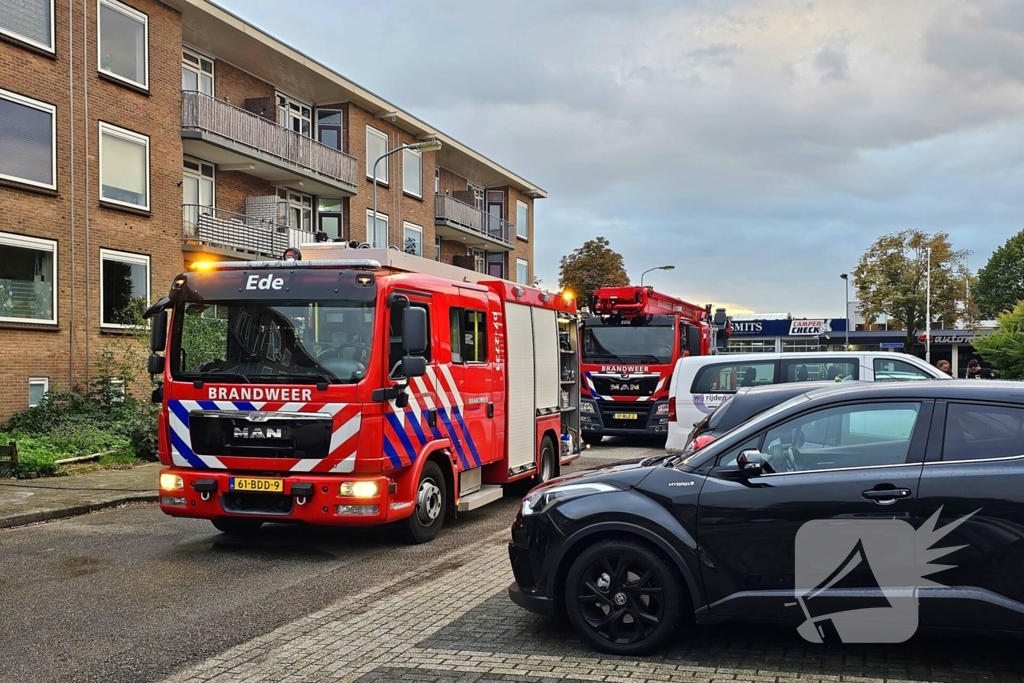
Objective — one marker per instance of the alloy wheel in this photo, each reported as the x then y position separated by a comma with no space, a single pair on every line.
620,599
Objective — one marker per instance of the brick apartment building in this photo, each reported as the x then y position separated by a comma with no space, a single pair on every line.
138,136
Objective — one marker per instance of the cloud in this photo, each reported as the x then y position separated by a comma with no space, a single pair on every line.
759,145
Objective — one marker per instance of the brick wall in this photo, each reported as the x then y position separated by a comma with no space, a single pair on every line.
236,86
233,187
391,200
65,353
524,248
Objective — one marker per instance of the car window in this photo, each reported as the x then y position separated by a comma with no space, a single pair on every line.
715,418
728,459
976,432
799,370
888,370
726,378
858,435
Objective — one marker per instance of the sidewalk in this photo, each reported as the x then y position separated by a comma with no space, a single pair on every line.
23,501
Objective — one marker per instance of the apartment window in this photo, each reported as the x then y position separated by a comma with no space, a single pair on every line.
479,259
413,239
522,220
437,180
124,43
28,276
30,21
295,115
437,248
196,72
198,185
412,172
28,140
124,288
376,147
295,209
124,167
328,127
37,388
377,231
478,195
329,213
522,271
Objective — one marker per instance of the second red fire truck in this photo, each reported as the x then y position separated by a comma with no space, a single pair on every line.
631,342
357,387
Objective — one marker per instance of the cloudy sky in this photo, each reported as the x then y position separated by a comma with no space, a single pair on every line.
758,145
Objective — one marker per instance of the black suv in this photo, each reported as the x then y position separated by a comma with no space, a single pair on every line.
633,550
743,405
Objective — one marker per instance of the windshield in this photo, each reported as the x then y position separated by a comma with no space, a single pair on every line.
297,342
627,343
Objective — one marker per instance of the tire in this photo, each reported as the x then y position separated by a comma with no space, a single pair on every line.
548,469
237,526
428,515
631,581
592,439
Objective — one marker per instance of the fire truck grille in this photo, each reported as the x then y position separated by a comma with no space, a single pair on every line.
264,503
233,433
609,411
641,386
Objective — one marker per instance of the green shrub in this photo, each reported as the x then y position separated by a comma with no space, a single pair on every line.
141,431
56,408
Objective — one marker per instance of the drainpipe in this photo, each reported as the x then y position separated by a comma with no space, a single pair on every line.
71,127
85,113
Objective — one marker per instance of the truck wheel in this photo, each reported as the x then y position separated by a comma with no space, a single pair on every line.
431,505
237,526
548,462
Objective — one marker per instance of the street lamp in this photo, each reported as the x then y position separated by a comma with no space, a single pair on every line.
431,145
655,268
928,313
846,279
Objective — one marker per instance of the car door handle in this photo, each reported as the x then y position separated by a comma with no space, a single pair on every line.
886,496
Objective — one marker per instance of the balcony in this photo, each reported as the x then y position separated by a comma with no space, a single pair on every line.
458,220
236,139
212,230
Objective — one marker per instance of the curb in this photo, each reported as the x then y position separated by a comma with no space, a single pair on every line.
24,518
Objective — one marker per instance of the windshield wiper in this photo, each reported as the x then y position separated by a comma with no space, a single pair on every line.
220,376
311,378
648,358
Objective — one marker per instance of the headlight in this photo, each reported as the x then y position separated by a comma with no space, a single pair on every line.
662,409
539,501
587,407
359,489
171,482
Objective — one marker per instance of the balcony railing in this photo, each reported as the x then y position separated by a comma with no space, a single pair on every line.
453,212
201,112
213,227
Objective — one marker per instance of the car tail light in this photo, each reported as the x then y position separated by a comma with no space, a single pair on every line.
702,441
671,408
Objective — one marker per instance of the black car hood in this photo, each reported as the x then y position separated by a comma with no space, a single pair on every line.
625,474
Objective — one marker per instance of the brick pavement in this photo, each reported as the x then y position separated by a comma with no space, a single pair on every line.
451,621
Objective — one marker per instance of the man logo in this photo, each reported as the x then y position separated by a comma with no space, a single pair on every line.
625,387
858,580
258,433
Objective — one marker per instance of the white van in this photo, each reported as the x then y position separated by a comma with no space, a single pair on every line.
700,383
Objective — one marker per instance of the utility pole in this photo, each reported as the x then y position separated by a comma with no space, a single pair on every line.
928,312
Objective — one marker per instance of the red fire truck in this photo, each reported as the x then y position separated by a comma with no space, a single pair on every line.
357,387
631,342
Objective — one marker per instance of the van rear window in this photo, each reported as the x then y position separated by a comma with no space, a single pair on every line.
726,378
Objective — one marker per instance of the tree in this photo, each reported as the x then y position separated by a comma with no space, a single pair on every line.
891,279
1001,281
1004,348
590,267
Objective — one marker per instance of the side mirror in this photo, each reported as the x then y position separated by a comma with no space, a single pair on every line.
751,463
414,331
414,366
158,333
693,340
155,365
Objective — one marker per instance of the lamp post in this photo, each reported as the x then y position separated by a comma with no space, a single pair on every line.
651,269
431,145
928,312
846,279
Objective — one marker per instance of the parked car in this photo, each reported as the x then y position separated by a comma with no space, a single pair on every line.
743,405
700,383
632,551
